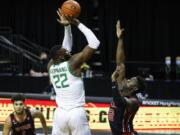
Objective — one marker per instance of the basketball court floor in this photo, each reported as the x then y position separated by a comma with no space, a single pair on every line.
101,132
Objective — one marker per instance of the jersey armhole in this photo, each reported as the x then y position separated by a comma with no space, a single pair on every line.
49,70
71,70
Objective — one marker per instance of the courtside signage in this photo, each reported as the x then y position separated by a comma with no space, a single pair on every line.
148,117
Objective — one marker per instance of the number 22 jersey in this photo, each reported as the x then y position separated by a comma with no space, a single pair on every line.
68,87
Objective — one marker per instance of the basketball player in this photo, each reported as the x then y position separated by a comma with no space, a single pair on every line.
21,121
65,75
125,103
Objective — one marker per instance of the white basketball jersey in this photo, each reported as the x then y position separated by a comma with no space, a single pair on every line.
68,87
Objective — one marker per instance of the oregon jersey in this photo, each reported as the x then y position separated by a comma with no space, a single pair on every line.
68,87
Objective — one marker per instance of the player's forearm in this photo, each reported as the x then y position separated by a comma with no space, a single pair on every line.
6,130
67,41
117,98
120,55
93,42
7,127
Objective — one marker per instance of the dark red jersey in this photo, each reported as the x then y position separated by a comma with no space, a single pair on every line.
23,128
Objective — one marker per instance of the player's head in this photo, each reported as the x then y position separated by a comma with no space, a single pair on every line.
43,56
18,103
59,54
136,84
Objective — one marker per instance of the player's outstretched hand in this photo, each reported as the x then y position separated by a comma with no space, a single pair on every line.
119,30
73,20
62,19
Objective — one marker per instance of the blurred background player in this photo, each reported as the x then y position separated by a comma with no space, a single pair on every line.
21,121
65,75
125,103
40,69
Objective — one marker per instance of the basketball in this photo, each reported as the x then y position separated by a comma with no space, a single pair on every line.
71,8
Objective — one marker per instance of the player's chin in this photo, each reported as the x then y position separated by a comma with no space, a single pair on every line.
19,112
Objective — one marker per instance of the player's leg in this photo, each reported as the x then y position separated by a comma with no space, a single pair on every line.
115,117
78,122
114,123
125,121
131,109
60,122
134,111
130,123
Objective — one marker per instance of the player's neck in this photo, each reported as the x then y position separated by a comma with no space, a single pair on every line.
20,117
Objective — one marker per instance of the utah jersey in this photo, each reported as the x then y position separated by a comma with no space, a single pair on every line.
23,128
68,87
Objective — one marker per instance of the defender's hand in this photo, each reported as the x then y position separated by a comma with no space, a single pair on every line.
119,30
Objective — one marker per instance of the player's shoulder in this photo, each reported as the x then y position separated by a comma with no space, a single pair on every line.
8,120
121,82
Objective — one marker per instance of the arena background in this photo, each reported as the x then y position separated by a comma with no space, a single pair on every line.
28,27
151,27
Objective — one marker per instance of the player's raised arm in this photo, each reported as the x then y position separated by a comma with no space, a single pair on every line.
88,51
120,55
67,40
119,73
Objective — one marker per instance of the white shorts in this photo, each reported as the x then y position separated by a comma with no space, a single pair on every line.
70,122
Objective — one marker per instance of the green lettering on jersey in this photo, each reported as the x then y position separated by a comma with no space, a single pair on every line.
58,70
61,80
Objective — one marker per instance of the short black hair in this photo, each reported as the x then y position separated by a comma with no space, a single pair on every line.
54,51
59,54
17,97
141,83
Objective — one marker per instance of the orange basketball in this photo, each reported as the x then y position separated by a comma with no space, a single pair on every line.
71,8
